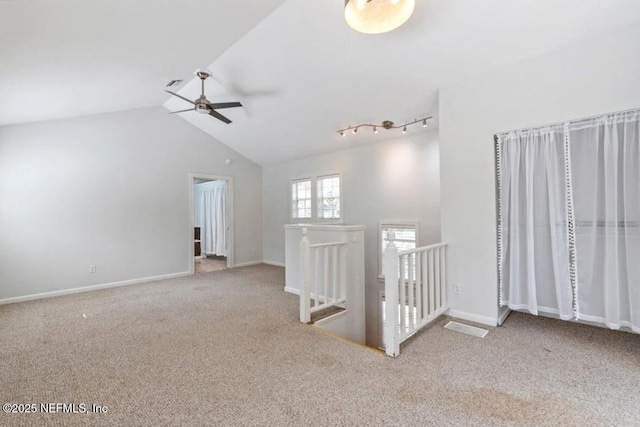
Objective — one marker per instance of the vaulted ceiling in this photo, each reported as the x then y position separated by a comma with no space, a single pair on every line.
300,71
304,73
65,58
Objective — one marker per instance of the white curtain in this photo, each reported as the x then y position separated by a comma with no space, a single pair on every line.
213,211
534,266
569,219
605,166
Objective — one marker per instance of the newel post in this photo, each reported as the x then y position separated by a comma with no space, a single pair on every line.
391,281
305,305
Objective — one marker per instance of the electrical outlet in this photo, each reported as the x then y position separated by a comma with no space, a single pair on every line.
456,288
92,268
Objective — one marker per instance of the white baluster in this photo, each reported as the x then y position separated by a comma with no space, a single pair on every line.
335,273
316,278
425,284
305,303
432,284
443,276
419,287
391,333
412,319
403,294
326,275
436,279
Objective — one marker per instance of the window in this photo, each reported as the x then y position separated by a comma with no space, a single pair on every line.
301,199
316,198
406,238
329,197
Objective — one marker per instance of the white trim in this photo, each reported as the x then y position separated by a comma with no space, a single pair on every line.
291,183
191,182
292,290
314,198
330,318
276,263
340,183
92,288
503,316
483,320
327,227
247,264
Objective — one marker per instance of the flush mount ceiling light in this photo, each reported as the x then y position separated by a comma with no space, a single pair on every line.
387,124
377,16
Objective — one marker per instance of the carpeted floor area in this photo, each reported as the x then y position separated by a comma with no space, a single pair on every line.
210,264
226,348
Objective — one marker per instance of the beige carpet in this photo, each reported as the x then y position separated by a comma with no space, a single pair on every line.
210,264
225,348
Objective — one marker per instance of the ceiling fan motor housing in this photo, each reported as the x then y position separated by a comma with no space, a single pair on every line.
202,108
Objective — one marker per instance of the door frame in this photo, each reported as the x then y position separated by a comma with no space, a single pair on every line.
192,216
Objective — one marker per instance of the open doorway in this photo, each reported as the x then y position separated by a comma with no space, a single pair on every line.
211,231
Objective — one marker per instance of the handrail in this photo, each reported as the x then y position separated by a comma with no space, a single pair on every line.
415,290
328,262
322,245
422,248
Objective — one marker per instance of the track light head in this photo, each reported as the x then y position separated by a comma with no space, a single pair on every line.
404,129
375,129
342,133
424,123
355,129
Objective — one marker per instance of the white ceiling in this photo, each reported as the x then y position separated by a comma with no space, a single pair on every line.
64,58
302,73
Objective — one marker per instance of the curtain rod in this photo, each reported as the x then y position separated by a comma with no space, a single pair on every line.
569,121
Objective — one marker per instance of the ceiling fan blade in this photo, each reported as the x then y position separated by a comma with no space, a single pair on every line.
181,97
219,116
182,111
220,105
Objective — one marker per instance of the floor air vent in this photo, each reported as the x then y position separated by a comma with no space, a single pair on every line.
466,329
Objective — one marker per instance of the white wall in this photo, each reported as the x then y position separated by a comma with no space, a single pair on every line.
597,76
110,190
397,179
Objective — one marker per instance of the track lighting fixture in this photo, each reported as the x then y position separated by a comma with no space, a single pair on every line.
387,124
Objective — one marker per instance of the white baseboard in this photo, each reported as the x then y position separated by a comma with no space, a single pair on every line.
276,263
247,264
503,316
483,320
292,290
92,288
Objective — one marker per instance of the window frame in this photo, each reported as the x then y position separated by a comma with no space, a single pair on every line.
318,197
292,182
315,219
388,224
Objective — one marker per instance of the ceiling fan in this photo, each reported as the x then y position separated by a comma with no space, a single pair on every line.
202,104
